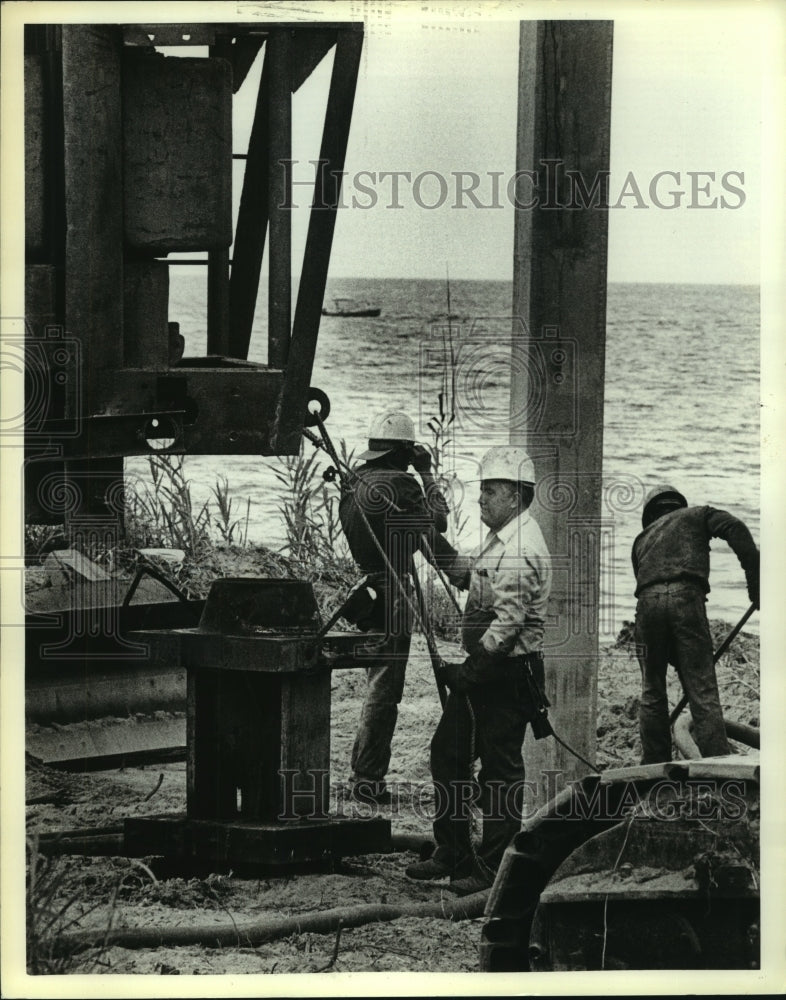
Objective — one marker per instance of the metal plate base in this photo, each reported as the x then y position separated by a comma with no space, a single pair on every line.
193,845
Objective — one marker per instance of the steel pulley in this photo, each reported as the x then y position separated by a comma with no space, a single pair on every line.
313,416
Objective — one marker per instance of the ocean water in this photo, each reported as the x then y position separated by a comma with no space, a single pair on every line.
681,402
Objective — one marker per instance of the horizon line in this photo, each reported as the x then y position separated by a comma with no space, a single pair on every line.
357,277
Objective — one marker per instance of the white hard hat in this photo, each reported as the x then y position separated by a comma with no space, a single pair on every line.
388,431
507,462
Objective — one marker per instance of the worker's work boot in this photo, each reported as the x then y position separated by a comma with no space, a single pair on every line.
428,870
470,884
369,792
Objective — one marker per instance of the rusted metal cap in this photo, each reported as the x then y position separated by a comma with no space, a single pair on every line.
259,605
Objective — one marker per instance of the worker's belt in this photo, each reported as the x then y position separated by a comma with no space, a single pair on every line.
531,663
668,586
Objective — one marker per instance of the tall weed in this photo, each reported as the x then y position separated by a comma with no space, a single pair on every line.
52,909
315,545
164,515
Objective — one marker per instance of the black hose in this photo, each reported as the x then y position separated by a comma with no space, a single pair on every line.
259,932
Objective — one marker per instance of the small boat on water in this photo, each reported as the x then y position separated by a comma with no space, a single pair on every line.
349,307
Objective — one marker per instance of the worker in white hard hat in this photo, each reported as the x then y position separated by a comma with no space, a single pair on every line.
498,689
390,502
671,562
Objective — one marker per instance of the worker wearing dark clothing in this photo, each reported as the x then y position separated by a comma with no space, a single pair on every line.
387,500
378,484
671,563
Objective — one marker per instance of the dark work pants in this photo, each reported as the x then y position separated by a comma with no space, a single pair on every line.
500,711
671,627
385,678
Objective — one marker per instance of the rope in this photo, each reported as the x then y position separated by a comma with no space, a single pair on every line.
576,754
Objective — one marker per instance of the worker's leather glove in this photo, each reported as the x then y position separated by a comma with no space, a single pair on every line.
421,459
483,667
450,674
753,590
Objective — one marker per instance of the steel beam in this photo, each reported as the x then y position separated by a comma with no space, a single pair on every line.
218,259
319,241
251,229
279,202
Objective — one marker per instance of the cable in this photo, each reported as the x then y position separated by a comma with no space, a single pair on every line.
576,754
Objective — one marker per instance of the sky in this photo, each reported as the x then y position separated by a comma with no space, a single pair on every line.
437,94
441,95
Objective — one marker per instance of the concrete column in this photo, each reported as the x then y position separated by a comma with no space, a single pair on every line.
557,385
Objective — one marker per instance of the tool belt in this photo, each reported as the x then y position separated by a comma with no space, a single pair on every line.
528,671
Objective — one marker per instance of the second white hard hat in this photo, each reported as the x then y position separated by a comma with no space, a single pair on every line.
508,462
388,431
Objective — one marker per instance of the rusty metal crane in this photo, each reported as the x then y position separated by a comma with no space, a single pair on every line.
128,156
129,166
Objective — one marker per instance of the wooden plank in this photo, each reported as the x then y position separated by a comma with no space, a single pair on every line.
92,127
559,332
234,739
305,744
212,774
78,562
264,845
279,201
98,749
327,192
44,167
